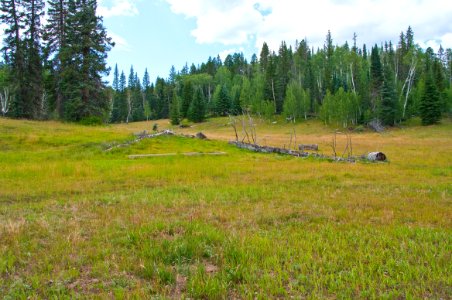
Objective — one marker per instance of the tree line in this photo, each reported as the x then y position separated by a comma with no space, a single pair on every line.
342,85
54,70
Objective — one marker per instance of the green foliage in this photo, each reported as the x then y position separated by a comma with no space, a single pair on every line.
91,121
340,109
297,102
187,97
222,100
85,64
197,110
430,107
268,110
389,104
175,115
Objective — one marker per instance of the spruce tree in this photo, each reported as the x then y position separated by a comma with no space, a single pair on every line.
197,110
137,109
123,105
282,75
430,107
187,96
175,110
115,111
33,76
83,59
54,37
222,101
376,75
388,112
13,17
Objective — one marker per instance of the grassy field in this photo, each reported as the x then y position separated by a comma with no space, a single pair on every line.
79,222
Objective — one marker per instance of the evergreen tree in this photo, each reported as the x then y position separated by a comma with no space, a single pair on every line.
175,110
329,63
389,98
197,110
376,72
146,80
430,106
187,96
115,85
54,38
265,53
147,95
222,100
115,111
430,103
161,99
236,105
137,109
13,18
83,58
34,74
282,75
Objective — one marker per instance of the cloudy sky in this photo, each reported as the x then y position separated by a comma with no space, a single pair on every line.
160,33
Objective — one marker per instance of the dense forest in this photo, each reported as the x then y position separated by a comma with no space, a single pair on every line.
55,72
343,85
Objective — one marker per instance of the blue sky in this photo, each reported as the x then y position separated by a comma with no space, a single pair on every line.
157,34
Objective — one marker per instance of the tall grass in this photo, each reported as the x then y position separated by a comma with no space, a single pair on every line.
77,221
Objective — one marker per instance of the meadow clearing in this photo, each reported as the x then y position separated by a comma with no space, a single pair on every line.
77,221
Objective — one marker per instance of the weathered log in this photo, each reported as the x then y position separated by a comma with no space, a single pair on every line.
135,156
376,156
312,147
267,149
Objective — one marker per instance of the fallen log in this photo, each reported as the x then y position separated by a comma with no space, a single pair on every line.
140,136
135,156
267,149
376,156
311,147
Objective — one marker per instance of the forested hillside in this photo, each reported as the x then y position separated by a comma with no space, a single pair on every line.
344,85
55,72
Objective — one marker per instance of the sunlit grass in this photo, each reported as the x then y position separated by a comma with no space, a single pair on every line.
77,221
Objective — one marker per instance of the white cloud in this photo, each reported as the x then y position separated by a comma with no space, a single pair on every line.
225,53
234,22
120,43
115,8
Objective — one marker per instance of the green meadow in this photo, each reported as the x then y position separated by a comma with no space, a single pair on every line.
77,221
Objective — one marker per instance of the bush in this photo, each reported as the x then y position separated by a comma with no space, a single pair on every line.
92,121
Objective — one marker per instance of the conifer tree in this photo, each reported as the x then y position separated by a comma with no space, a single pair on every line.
175,110
197,110
388,112
430,103
187,96
222,100
13,18
376,75
54,37
123,105
430,107
83,59
137,104
116,106
33,76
